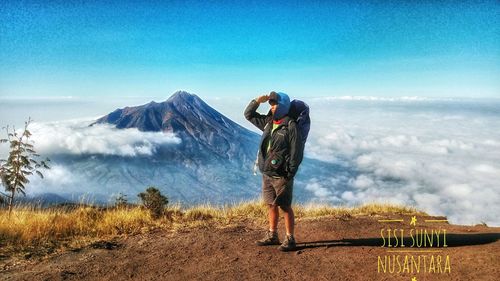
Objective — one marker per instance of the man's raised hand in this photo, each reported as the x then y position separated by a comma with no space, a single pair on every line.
262,99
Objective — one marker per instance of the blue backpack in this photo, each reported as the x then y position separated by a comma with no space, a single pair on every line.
299,111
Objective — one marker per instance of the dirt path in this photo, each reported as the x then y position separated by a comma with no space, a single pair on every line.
329,249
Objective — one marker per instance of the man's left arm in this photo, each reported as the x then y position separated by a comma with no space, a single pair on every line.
296,150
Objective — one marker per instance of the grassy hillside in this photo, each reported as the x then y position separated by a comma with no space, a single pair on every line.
40,231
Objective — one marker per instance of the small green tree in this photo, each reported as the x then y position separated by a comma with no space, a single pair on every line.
21,164
154,201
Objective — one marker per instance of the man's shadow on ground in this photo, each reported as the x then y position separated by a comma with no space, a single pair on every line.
452,240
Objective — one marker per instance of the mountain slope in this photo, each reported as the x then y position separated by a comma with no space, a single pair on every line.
212,163
203,130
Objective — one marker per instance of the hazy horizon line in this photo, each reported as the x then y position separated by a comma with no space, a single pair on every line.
330,97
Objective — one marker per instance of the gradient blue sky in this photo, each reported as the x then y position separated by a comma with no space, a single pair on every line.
231,48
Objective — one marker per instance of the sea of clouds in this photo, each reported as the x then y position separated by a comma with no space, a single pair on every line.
440,155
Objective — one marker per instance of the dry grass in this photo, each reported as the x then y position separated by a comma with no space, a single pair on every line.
29,227
313,211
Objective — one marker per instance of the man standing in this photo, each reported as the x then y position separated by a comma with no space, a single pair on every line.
279,156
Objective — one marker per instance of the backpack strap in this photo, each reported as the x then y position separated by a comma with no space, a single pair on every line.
292,121
289,123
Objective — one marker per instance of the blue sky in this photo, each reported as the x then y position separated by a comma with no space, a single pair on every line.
231,48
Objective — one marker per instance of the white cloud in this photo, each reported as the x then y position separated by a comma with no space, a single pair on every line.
440,156
318,190
76,137
362,182
384,99
56,178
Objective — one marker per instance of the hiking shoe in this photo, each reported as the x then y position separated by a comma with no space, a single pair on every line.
271,238
288,244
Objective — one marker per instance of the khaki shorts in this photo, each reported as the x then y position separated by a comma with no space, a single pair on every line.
277,191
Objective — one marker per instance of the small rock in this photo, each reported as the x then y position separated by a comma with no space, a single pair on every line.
66,273
298,252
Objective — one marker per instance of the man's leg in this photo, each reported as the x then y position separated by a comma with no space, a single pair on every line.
273,217
286,206
269,195
289,220
289,242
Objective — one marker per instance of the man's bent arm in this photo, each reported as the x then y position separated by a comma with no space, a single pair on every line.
254,117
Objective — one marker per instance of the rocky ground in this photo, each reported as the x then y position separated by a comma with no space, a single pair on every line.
329,248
